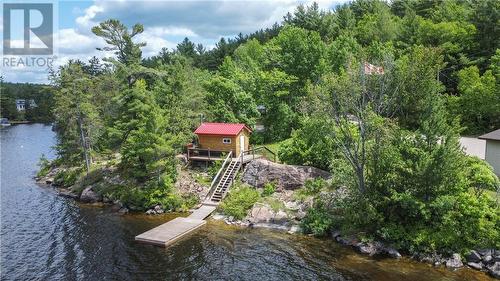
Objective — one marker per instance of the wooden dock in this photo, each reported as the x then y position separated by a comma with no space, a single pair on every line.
173,230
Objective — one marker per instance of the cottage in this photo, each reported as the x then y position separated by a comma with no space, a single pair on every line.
215,139
492,153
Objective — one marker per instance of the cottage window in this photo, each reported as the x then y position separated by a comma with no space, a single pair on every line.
226,140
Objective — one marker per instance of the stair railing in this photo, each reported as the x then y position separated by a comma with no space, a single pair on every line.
215,180
231,180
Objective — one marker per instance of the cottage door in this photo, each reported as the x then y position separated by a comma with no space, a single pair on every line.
242,143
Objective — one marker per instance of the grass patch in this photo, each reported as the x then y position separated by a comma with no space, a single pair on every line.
274,203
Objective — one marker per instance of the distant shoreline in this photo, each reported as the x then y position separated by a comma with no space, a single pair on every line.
20,122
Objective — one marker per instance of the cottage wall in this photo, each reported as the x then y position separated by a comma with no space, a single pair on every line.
215,142
493,155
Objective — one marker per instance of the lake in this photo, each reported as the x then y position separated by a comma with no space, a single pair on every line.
48,237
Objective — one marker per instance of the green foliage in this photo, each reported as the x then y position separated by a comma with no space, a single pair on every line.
298,52
120,38
274,203
214,167
417,70
228,102
151,195
95,176
318,220
203,180
147,150
67,177
269,189
239,201
479,101
44,166
341,51
480,176
314,186
77,120
309,145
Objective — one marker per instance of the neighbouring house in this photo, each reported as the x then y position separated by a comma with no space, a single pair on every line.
217,139
21,104
492,153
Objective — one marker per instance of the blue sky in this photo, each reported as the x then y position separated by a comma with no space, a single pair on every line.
166,24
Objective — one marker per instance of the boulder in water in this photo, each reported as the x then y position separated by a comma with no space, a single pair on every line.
475,265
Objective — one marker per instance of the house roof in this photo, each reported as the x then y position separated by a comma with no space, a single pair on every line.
221,129
495,135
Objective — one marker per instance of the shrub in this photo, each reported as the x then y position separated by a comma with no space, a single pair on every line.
133,197
92,177
239,202
44,165
309,145
68,177
480,175
269,189
314,186
317,220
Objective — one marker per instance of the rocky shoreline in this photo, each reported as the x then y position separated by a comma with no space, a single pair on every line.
286,218
485,260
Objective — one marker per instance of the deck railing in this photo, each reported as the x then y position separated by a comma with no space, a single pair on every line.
261,151
208,153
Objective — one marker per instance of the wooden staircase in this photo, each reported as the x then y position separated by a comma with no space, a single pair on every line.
223,180
226,181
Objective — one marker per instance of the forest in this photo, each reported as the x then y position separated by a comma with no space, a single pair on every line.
40,94
389,136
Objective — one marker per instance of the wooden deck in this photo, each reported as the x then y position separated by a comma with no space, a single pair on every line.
173,230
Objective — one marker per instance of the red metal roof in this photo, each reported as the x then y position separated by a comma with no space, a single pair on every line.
221,129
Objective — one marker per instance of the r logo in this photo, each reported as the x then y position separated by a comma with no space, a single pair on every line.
28,29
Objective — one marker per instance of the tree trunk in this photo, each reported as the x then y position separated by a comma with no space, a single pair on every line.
83,141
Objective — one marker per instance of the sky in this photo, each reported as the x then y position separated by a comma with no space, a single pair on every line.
166,23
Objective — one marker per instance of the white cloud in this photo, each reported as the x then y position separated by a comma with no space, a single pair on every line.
154,41
71,41
208,19
86,20
166,23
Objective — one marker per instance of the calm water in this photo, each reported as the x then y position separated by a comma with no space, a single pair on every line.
47,237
